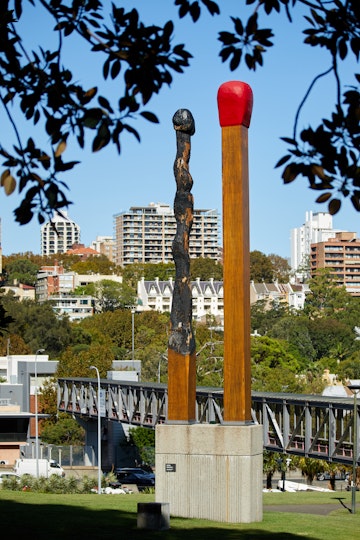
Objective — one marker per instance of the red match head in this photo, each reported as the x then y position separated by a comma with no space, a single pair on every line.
235,100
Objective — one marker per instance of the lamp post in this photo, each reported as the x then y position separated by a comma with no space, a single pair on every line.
39,351
355,388
133,334
99,428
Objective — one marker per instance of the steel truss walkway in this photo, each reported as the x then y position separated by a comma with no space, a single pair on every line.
305,425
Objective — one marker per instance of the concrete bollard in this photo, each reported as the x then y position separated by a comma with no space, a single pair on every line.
154,516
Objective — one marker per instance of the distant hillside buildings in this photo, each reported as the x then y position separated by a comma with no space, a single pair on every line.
105,245
317,245
341,255
318,227
144,234
208,296
59,234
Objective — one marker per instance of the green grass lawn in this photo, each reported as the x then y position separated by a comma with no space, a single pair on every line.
55,517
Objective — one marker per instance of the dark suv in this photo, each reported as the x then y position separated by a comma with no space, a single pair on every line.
134,475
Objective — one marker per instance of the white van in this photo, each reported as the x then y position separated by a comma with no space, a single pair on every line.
46,468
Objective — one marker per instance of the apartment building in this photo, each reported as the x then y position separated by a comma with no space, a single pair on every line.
104,245
53,280
59,234
144,234
318,227
341,255
75,308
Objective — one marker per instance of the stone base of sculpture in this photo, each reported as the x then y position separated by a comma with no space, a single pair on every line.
210,471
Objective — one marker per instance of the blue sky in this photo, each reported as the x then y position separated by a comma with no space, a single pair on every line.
105,183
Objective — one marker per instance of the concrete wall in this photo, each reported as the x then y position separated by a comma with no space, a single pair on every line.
210,471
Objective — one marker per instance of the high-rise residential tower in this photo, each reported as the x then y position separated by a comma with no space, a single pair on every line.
341,256
145,234
59,234
318,227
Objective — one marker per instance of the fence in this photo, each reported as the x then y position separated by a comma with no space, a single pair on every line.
68,456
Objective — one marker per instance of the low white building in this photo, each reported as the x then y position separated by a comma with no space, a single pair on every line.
20,291
293,294
207,297
74,307
17,399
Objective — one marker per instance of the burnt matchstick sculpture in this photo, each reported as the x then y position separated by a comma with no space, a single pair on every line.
181,343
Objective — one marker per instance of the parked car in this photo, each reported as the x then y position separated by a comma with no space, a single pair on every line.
339,475
8,476
134,475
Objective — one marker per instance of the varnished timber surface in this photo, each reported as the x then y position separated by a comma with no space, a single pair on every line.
237,366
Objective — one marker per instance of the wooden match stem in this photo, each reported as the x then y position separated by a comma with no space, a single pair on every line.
237,359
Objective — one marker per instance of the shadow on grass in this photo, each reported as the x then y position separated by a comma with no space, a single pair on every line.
55,522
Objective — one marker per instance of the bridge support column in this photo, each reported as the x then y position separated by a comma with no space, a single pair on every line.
209,471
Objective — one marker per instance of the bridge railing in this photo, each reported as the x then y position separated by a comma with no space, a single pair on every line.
306,425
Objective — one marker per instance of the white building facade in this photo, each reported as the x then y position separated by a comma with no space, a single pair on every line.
318,227
59,234
144,234
207,297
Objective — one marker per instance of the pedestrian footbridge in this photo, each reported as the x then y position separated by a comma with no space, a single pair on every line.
305,425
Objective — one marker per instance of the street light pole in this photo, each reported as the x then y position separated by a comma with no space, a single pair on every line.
133,334
99,428
39,351
355,388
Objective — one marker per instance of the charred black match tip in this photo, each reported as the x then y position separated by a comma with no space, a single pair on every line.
184,121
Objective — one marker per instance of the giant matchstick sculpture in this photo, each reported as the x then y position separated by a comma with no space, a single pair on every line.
181,344
235,102
213,471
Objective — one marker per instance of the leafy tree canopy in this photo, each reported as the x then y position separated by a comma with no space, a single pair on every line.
325,296
132,273
261,268
112,295
326,334
144,439
22,271
265,314
95,265
78,365
281,267
65,431
205,269
350,368
13,344
38,326
37,84
294,330
61,259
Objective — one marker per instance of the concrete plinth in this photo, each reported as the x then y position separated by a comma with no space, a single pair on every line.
153,516
210,471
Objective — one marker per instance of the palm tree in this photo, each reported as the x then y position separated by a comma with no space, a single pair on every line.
310,467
